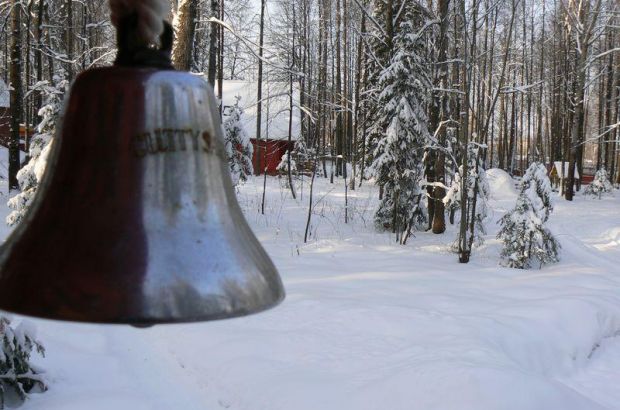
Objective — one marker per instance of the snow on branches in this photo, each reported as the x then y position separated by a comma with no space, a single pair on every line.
238,145
526,240
600,185
18,377
31,174
283,165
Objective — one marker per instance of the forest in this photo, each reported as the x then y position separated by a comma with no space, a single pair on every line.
507,82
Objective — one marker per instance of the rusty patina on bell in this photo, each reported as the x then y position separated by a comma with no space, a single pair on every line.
136,221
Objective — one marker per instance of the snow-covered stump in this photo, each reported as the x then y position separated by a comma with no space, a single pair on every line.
526,239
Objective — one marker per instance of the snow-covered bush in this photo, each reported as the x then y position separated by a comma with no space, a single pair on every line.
283,165
31,174
238,145
600,185
18,378
526,240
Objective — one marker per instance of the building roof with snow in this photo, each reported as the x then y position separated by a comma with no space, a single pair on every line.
5,95
275,112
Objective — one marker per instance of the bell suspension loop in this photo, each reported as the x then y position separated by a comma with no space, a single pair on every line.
144,37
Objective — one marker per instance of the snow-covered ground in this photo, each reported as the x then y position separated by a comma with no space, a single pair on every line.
371,325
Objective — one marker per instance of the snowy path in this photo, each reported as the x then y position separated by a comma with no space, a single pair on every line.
370,325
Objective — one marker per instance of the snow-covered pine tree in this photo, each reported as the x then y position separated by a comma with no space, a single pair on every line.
600,185
18,377
40,146
238,145
398,156
526,239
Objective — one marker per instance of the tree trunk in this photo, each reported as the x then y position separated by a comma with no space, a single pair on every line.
464,252
437,118
69,39
16,93
185,32
213,40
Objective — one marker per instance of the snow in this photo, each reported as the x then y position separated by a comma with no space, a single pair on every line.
502,185
372,325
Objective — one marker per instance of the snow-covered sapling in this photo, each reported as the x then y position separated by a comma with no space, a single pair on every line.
526,240
283,165
452,200
283,168
600,185
478,192
238,145
18,377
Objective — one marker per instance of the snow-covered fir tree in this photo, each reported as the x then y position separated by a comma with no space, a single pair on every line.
478,192
600,185
31,174
398,156
527,242
238,145
18,377
370,105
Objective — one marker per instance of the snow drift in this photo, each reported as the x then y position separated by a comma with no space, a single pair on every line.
502,185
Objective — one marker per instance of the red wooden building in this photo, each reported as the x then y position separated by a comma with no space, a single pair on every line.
268,154
275,117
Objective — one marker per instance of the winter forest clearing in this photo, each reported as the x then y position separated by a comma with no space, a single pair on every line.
370,324
375,204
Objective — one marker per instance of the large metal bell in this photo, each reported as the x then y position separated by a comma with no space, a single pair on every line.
136,221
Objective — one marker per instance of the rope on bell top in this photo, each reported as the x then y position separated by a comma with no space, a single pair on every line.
144,35
151,15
